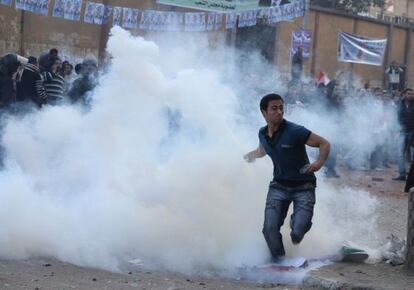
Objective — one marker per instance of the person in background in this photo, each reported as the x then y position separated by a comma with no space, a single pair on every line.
78,68
9,64
394,74
405,113
82,86
29,84
66,73
54,82
297,65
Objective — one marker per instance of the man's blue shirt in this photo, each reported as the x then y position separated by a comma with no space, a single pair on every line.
287,150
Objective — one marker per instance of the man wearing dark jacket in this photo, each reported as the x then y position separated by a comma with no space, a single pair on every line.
82,86
8,66
54,82
406,119
29,85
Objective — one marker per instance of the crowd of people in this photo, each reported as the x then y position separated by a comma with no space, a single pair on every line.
389,107
27,83
34,82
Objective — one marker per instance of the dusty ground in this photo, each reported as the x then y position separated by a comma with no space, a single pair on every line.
51,274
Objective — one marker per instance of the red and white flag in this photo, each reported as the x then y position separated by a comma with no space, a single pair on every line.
322,79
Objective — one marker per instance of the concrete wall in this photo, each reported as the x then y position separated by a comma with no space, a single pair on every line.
29,33
325,27
76,39
9,30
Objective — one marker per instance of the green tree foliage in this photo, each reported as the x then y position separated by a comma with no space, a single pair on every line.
351,6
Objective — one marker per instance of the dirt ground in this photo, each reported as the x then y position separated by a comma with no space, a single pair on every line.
40,273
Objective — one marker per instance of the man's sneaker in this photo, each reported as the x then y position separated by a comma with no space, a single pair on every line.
402,178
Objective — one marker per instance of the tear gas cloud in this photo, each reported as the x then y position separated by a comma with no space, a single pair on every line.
155,169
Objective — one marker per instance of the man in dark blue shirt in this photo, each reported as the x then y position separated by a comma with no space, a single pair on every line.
293,175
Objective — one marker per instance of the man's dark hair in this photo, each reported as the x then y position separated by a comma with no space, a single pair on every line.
78,68
406,90
264,102
53,51
32,60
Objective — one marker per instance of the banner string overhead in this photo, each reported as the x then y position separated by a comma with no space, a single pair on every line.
236,12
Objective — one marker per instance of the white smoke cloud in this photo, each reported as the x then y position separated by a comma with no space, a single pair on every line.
154,171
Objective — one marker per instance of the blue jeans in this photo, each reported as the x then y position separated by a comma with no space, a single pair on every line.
405,142
278,201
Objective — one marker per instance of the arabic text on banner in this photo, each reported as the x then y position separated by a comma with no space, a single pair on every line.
214,5
358,49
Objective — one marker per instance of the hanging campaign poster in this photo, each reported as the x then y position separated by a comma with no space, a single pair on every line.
19,4
89,12
218,21
6,2
242,19
130,18
42,7
301,38
252,18
59,8
299,7
231,19
99,13
211,18
72,9
77,6
214,5
126,17
145,19
288,12
358,49
107,14
117,15
275,14
175,21
30,5
195,21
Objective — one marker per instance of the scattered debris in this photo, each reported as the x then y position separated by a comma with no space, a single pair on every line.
380,179
393,252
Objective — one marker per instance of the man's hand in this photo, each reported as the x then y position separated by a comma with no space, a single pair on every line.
250,157
313,167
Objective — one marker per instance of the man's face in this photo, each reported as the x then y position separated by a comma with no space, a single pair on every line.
409,95
89,69
274,112
56,66
68,69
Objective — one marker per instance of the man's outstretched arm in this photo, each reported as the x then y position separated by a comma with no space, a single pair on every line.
324,147
257,153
